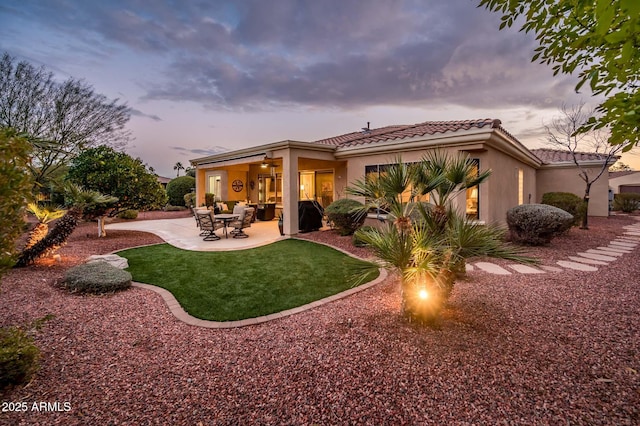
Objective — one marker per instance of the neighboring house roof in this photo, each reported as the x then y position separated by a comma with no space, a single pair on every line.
555,156
613,175
163,180
369,136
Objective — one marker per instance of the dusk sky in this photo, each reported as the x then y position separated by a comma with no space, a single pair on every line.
208,76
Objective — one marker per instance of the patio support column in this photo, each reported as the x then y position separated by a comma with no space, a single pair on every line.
290,191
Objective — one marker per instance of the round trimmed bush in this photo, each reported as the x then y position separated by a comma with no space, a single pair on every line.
97,278
568,202
19,357
177,188
345,216
537,224
128,214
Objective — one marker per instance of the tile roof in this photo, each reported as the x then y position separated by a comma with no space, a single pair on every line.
407,131
550,156
621,173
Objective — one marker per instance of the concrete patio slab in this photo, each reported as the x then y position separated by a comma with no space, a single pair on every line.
576,266
597,257
589,261
492,268
525,269
183,233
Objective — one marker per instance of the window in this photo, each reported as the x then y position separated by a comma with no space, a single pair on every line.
473,195
377,170
520,186
215,186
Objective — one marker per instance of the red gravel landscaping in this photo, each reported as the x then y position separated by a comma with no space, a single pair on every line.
555,348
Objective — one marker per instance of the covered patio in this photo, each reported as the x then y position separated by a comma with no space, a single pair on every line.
277,175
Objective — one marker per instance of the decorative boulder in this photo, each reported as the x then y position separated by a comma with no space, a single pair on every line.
537,224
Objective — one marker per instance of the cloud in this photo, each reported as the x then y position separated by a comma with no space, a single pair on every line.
198,151
247,55
138,113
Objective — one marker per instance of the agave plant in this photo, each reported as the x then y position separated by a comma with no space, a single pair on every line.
428,243
44,214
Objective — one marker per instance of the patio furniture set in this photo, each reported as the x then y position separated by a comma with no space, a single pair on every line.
209,222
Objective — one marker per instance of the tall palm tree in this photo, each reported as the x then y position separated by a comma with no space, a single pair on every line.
427,243
178,166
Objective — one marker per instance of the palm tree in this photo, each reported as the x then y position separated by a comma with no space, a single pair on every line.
427,243
79,199
44,215
178,166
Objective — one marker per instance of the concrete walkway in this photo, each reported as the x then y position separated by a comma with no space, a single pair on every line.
587,261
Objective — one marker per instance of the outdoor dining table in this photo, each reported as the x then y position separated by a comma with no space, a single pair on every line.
226,219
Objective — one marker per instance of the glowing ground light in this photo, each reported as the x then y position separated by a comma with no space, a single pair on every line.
423,294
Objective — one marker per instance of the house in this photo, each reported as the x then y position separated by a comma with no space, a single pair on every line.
286,172
164,181
625,181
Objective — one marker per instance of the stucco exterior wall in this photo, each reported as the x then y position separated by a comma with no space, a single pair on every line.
631,179
561,179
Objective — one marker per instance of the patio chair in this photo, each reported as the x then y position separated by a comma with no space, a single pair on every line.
243,222
195,214
208,226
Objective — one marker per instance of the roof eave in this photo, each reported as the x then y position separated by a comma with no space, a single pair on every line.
266,149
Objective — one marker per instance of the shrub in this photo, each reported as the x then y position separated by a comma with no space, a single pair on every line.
190,199
570,203
18,356
128,214
96,277
344,215
169,208
627,202
209,199
178,187
15,187
357,240
537,224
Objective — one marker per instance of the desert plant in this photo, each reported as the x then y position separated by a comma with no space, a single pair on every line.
178,187
568,202
78,199
346,215
426,245
96,277
128,214
537,224
44,214
19,356
626,202
356,240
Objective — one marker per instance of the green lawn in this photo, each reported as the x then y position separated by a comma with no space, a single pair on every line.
235,285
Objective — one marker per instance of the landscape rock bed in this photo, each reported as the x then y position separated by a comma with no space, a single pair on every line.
551,348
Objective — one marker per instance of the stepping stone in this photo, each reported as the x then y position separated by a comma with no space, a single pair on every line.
589,261
604,252
627,238
597,257
525,269
492,268
113,259
633,234
468,267
627,244
618,249
551,268
577,266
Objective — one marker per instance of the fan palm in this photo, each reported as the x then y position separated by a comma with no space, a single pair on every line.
430,250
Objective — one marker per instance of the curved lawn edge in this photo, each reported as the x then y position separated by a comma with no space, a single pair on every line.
182,315
176,309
